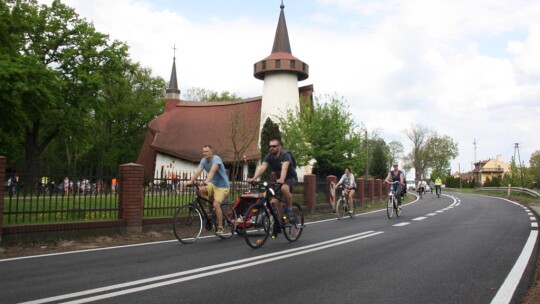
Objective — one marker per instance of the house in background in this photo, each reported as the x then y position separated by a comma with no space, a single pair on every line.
489,169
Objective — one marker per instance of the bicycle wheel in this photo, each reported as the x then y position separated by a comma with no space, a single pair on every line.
390,206
438,192
421,192
187,224
256,226
341,205
229,221
293,227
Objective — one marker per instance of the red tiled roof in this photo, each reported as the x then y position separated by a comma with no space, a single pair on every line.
182,131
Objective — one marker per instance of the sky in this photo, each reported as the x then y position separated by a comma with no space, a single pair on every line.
467,69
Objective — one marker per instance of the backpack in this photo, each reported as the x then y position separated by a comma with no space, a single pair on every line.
292,157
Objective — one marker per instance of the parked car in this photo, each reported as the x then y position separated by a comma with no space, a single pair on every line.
411,185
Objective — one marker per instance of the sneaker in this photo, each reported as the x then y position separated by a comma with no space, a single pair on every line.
219,231
351,211
289,213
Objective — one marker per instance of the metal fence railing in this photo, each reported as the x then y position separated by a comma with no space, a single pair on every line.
52,200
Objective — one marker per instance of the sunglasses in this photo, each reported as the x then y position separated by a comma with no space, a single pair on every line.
272,146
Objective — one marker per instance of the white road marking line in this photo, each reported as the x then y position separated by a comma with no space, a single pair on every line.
203,271
431,214
419,218
401,224
439,211
534,225
505,293
532,218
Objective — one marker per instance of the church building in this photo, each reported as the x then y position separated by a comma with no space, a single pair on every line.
175,138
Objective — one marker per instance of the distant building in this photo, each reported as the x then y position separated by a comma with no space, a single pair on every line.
489,169
175,138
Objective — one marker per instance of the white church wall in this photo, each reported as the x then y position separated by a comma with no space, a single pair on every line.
166,163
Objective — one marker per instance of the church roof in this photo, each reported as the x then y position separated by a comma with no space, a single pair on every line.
182,131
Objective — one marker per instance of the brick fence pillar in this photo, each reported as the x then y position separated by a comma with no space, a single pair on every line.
378,187
371,190
360,188
386,190
331,196
131,196
310,187
3,164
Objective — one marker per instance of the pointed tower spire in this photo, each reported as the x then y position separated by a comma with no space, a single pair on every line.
281,58
173,83
172,95
281,40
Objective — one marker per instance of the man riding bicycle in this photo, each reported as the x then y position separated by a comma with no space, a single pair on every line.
393,176
282,164
217,182
438,183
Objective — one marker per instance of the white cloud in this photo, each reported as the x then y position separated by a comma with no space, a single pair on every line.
417,61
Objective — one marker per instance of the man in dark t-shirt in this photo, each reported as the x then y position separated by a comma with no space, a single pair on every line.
282,164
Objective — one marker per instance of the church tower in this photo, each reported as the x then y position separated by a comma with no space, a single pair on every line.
172,95
280,72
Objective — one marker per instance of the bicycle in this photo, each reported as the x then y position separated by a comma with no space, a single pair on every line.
421,192
391,202
342,205
261,219
438,190
189,219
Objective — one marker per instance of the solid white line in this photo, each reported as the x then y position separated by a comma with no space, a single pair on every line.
504,295
207,268
419,218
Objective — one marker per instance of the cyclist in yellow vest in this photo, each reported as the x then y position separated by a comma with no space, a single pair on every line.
438,183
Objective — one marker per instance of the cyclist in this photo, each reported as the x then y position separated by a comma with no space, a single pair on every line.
421,185
282,164
216,184
438,183
393,176
349,184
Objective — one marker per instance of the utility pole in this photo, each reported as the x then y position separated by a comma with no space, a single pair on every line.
474,143
367,156
516,148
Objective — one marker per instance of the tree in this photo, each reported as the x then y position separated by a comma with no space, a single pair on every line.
441,149
418,157
202,94
57,71
270,130
534,163
241,134
430,151
325,131
379,163
395,152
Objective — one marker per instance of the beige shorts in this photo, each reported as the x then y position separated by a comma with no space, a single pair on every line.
219,194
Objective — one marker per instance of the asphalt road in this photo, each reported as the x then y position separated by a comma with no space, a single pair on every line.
455,249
